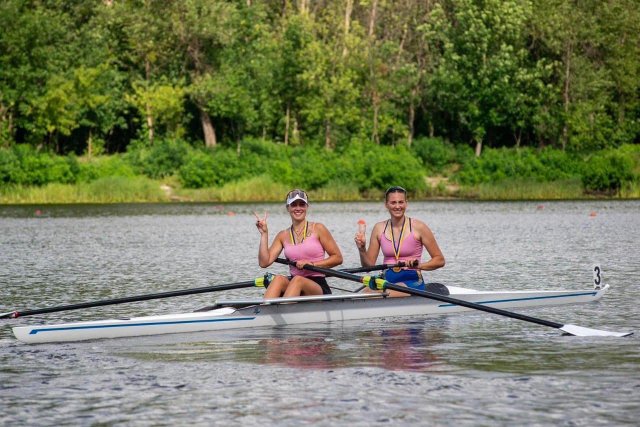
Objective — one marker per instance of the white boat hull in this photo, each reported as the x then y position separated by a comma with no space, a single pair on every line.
291,311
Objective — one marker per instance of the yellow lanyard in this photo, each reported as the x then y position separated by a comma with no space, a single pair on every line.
306,229
396,249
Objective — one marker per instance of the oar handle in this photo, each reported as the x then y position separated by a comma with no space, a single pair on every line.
348,270
326,271
373,267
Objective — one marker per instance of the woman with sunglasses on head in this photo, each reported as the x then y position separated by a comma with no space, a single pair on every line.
401,239
305,243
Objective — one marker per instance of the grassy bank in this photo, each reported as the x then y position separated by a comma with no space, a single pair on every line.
262,189
103,190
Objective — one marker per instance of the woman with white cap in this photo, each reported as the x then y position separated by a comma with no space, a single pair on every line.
305,243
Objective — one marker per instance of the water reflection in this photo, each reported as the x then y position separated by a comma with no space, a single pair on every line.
299,352
405,347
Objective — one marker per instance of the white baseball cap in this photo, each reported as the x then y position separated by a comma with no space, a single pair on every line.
296,195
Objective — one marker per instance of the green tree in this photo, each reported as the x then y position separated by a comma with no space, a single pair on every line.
330,101
202,29
483,62
35,49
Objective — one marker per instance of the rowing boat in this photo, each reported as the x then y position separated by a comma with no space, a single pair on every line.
252,313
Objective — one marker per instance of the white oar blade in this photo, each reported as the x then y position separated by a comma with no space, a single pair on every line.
581,331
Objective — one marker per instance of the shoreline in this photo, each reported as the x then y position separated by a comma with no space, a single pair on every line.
114,190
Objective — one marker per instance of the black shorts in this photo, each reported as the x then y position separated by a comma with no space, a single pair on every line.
322,281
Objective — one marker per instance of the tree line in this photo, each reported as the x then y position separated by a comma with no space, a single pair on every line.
96,76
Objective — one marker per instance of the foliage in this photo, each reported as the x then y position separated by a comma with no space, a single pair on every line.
211,167
85,77
162,159
23,165
365,94
608,172
502,163
435,153
376,167
102,167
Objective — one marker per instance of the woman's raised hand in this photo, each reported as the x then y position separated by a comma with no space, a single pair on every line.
361,240
261,223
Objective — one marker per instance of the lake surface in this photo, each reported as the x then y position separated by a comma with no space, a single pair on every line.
472,369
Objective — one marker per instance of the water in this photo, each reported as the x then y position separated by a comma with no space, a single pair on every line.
475,369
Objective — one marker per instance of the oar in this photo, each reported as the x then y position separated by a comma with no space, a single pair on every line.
365,269
259,282
382,284
371,268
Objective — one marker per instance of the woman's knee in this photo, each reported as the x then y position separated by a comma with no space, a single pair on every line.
277,287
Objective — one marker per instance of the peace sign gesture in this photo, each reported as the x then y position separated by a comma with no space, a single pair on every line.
261,223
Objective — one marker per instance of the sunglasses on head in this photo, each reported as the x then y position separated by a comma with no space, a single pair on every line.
294,193
395,189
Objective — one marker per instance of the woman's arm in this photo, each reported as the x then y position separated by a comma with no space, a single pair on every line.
267,255
431,245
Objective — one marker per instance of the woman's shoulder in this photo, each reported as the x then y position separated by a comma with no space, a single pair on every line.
317,227
419,225
382,223
282,234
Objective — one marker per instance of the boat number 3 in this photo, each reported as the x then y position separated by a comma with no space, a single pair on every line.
597,277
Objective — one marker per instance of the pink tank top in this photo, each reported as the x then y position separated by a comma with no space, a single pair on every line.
410,248
309,249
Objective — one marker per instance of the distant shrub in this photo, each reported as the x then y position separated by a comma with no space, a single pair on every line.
464,154
525,163
379,167
312,168
9,165
23,165
212,167
435,153
103,167
557,165
162,159
607,172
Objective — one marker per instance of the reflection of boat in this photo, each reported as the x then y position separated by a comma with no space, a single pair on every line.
289,311
395,346
300,352
403,348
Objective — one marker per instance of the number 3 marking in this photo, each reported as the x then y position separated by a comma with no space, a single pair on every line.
597,277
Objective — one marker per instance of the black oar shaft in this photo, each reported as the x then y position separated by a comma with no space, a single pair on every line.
146,297
136,298
371,268
437,297
472,305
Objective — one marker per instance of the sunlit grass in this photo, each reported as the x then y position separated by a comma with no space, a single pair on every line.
256,189
630,190
337,191
103,190
525,190
264,189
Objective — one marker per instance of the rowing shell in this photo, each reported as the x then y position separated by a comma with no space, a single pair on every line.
292,311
